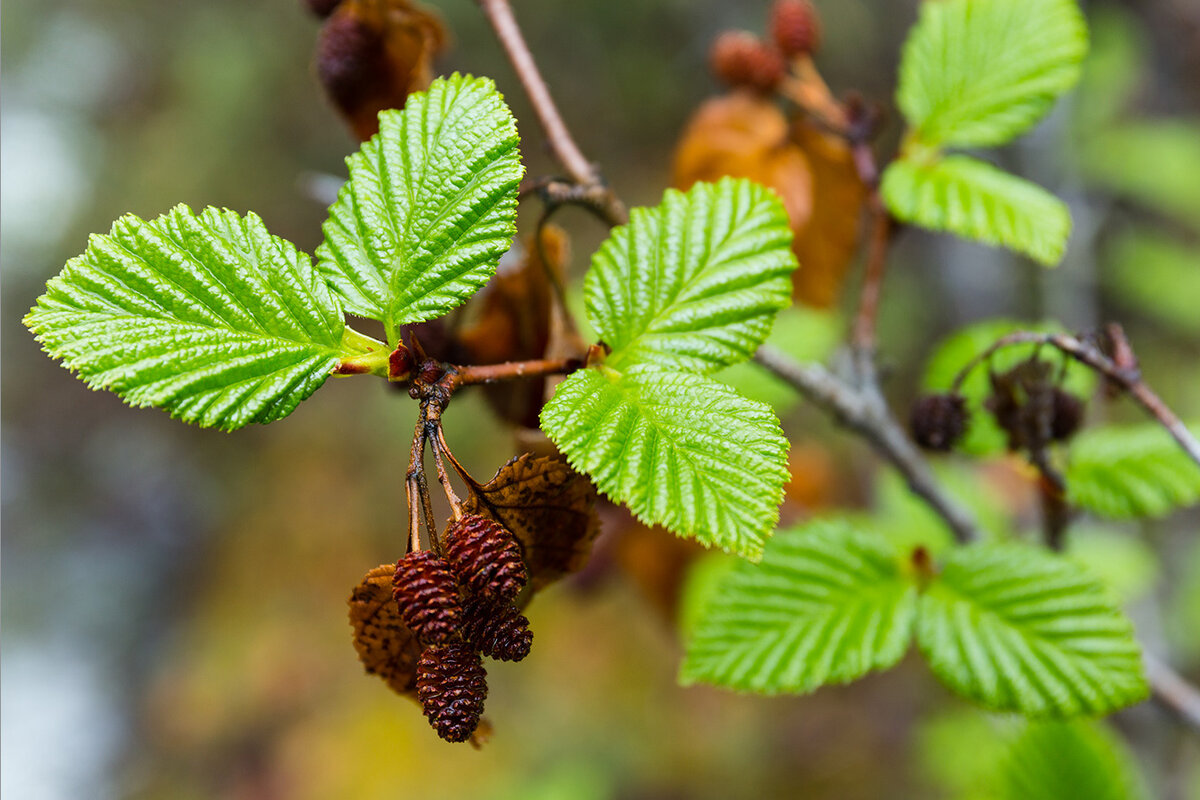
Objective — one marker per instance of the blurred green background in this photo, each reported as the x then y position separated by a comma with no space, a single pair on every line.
174,599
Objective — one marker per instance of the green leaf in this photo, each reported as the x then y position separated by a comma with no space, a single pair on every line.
979,72
828,604
1156,275
1152,162
695,282
1054,760
209,317
1131,472
973,199
1017,628
430,205
679,449
984,436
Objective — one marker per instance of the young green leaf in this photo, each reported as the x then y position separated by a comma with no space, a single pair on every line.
1053,760
429,207
979,72
983,436
695,282
681,450
828,604
1017,628
975,200
1131,472
209,317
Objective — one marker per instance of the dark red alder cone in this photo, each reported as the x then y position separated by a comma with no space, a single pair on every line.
452,685
497,631
1067,415
352,60
739,58
427,595
486,557
795,27
939,420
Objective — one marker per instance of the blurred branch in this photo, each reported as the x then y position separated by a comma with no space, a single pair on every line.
863,410
1173,692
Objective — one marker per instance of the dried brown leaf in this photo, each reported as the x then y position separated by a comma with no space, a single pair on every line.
548,506
371,54
745,135
386,647
514,322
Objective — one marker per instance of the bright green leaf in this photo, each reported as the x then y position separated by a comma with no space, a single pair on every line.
430,205
209,317
979,72
1017,628
679,449
973,199
984,436
695,282
828,604
1056,760
1130,472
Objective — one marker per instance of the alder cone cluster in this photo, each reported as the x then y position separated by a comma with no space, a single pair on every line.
741,59
459,608
452,685
795,27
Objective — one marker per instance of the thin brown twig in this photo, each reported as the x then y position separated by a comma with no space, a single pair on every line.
500,15
457,377
416,490
863,334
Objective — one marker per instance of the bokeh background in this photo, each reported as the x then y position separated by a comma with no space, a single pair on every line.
173,602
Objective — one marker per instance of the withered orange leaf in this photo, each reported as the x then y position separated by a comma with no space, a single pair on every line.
513,323
371,54
548,506
386,647
746,136
826,245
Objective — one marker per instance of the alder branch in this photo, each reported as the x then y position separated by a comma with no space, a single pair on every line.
863,411
860,408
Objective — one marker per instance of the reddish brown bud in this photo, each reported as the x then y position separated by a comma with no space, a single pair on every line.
939,420
497,630
400,364
739,58
452,685
796,27
427,595
486,557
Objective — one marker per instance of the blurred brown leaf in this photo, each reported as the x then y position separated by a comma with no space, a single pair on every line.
657,562
385,645
371,54
825,246
745,135
548,506
514,323
813,172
